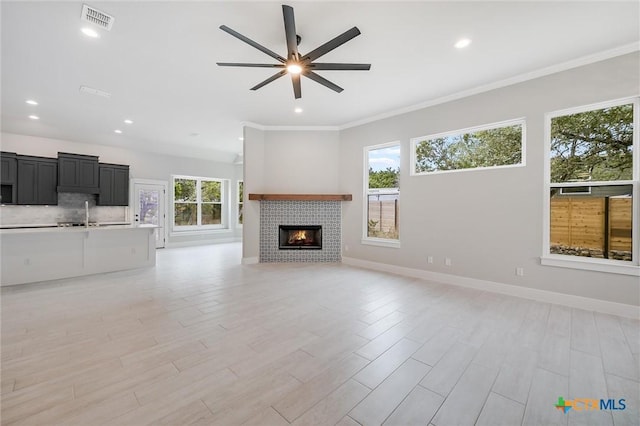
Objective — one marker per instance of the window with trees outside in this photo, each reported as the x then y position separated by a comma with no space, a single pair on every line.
492,145
240,198
592,177
382,185
198,203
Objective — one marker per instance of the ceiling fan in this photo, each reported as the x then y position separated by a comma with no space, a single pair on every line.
295,63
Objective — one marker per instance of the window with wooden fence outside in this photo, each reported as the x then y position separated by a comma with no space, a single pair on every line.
592,226
593,176
382,193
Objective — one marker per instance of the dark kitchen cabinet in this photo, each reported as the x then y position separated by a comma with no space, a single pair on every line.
8,178
37,179
78,173
114,185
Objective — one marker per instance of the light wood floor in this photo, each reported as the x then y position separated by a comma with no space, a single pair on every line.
200,339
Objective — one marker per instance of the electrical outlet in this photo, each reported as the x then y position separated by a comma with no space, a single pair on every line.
27,261
520,272
346,247
447,261
430,259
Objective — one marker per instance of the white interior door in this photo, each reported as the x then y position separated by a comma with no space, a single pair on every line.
150,206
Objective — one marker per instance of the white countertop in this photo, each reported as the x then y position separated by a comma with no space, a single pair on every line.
57,229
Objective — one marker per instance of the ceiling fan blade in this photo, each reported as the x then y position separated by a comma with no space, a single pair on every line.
330,66
315,77
332,44
290,32
297,88
236,64
269,80
252,43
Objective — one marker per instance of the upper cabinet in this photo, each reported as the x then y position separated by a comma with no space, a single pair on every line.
78,173
27,179
114,185
8,178
36,180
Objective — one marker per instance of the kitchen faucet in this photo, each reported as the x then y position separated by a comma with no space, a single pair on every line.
86,214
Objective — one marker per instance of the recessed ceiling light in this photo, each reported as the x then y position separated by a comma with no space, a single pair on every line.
31,102
298,110
240,138
128,121
462,43
34,117
118,131
90,32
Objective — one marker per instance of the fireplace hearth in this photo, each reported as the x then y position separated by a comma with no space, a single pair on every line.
300,237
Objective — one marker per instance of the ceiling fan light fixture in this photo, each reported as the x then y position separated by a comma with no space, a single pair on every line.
295,64
294,68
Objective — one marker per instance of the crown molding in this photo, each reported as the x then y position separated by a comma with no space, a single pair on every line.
574,63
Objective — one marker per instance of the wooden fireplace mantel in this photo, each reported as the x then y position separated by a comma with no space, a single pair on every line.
301,197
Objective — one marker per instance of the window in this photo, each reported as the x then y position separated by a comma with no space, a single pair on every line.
382,193
493,145
240,198
198,203
592,176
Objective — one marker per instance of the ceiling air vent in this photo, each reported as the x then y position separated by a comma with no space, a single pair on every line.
97,17
91,91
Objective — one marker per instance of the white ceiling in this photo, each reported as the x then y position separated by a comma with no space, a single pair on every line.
158,63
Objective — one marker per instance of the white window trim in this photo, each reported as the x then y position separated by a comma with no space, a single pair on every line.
200,229
497,125
372,241
589,263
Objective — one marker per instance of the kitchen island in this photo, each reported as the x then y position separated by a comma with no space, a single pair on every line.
42,254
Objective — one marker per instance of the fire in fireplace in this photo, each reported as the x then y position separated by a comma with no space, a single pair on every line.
300,237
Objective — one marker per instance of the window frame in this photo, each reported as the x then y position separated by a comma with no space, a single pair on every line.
223,225
495,125
375,241
588,263
239,202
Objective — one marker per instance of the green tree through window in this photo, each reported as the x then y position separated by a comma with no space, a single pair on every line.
501,146
198,202
593,145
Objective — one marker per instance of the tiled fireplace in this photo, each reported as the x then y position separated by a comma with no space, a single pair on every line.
320,220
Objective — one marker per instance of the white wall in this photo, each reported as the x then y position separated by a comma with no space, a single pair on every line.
254,183
488,222
143,165
301,162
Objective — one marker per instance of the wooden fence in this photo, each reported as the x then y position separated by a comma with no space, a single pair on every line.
592,222
383,216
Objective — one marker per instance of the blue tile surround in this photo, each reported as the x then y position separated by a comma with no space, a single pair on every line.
276,213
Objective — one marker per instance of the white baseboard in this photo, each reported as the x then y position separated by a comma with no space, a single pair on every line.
250,260
620,309
203,242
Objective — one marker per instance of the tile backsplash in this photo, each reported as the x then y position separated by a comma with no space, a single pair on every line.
70,208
